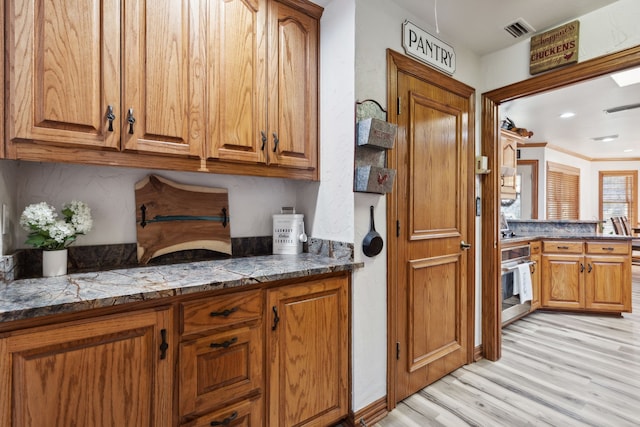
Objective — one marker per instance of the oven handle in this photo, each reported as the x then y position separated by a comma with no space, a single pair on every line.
509,269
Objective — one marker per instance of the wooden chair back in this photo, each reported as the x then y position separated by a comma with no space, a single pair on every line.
626,226
618,228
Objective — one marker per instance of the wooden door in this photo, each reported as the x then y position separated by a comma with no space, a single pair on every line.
563,281
63,72
293,86
432,207
237,50
103,372
607,284
164,77
308,353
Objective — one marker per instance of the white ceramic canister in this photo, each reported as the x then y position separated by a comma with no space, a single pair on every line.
288,233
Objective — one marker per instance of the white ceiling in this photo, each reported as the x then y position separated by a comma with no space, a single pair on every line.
479,26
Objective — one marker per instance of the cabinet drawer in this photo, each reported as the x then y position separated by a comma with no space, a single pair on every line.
617,248
214,312
563,247
247,413
219,368
535,248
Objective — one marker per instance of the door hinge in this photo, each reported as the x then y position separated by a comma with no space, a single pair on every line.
397,228
398,350
399,109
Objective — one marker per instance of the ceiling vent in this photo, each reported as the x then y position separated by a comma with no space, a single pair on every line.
519,28
622,108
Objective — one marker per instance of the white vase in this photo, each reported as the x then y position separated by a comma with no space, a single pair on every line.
54,263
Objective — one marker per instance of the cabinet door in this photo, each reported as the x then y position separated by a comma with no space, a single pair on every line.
536,267
508,161
237,80
293,87
307,351
64,62
563,281
164,77
608,283
103,372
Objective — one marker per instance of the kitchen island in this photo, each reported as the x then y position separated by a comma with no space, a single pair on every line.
193,344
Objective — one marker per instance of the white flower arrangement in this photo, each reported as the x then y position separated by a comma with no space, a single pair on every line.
48,232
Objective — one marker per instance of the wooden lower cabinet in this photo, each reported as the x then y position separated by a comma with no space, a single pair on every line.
271,356
106,371
307,353
589,276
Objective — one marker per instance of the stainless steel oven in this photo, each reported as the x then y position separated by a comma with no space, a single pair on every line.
512,258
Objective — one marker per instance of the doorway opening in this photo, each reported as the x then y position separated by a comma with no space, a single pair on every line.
491,307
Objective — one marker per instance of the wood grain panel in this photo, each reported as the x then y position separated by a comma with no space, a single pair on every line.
293,87
220,311
64,71
220,368
308,353
101,372
237,72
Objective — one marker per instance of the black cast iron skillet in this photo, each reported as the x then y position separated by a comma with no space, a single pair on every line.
372,243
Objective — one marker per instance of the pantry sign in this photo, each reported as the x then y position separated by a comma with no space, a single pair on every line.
427,48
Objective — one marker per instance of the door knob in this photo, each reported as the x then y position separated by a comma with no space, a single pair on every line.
464,245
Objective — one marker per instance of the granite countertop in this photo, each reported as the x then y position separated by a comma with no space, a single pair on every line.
30,298
560,236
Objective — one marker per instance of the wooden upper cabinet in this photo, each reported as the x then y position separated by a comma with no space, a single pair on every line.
508,163
64,71
264,82
237,75
164,77
293,87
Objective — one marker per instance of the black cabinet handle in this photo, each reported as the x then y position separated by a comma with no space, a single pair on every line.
264,140
226,421
225,344
607,249
111,117
590,268
275,142
225,313
563,247
131,120
225,218
164,345
276,318
581,267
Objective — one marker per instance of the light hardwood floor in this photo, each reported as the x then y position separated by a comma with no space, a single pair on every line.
556,370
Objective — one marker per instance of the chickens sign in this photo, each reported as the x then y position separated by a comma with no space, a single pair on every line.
555,48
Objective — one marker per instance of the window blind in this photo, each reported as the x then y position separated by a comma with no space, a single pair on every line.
563,191
618,195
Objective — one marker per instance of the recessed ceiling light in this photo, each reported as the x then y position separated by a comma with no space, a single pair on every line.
567,115
607,138
628,150
627,78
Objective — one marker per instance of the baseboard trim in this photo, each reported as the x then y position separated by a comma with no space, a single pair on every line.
370,414
478,353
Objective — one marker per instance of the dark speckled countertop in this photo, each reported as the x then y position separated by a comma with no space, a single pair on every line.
30,298
562,236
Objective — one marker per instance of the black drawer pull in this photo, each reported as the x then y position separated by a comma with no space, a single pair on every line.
607,249
225,344
226,313
226,421
563,247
